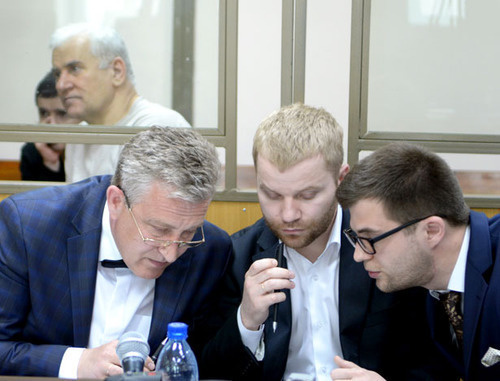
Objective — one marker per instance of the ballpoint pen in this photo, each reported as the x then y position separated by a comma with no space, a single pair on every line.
279,249
158,350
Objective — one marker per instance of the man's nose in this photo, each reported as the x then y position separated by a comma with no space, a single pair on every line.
63,82
360,255
171,252
50,118
290,210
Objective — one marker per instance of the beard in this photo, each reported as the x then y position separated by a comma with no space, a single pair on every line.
312,229
412,270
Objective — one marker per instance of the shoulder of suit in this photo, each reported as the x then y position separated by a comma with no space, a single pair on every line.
250,231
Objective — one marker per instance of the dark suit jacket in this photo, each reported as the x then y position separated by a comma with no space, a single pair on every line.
382,332
481,303
48,264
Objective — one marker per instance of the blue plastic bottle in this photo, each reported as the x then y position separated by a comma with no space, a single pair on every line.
176,361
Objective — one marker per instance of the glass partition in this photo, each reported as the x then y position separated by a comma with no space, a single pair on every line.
173,46
424,71
433,66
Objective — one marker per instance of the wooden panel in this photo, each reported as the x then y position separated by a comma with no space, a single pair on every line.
488,212
9,170
233,216
230,216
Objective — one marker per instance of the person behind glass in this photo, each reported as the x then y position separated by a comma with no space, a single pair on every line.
411,227
62,306
44,161
327,305
96,83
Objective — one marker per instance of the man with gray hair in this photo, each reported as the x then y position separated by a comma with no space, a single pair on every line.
95,81
81,264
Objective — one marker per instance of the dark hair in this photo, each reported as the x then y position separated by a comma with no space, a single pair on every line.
46,88
410,181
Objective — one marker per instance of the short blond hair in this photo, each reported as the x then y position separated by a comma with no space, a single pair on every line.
298,132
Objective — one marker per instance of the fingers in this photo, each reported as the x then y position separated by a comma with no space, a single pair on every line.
100,362
51,158
341,363
263,282
113,370
348,370
261,265
149,365
265,271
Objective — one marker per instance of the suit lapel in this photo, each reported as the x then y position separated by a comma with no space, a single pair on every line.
478,262
83,253
168,293
276,342
355,288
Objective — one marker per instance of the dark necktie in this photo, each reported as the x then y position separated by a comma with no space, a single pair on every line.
113,264
452,307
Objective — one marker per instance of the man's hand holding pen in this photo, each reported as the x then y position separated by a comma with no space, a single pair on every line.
264,281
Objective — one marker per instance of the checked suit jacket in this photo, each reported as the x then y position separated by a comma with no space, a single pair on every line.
49,247
481,304
382,332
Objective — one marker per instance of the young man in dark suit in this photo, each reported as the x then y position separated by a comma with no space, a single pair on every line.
326,304
411,227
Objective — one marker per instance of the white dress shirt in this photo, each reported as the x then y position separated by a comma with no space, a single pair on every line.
123,302
315,337
457,278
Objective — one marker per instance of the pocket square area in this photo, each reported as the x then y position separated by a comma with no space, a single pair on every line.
491,357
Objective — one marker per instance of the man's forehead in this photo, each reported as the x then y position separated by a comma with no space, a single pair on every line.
75,50
367,211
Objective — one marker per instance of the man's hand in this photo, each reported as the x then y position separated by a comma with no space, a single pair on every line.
102,362
51,154
262,279
349,371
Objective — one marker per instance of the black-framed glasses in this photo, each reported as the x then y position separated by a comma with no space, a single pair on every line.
163,243
368,244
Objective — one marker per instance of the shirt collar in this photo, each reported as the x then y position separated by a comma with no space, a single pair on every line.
336,233
108,248
333,239
457,278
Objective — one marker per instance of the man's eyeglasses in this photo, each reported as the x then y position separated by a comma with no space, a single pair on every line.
163,243
368,244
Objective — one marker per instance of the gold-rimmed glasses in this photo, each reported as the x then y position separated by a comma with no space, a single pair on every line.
163,243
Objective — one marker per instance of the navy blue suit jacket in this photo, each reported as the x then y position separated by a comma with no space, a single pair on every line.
48,264
481,303
382,332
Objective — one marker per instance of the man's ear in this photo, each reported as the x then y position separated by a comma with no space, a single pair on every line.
119,71
116,201
344,170
434,229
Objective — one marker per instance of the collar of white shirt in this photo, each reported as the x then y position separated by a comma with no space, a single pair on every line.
457,278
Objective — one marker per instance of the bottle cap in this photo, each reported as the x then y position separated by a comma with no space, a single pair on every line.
177,331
